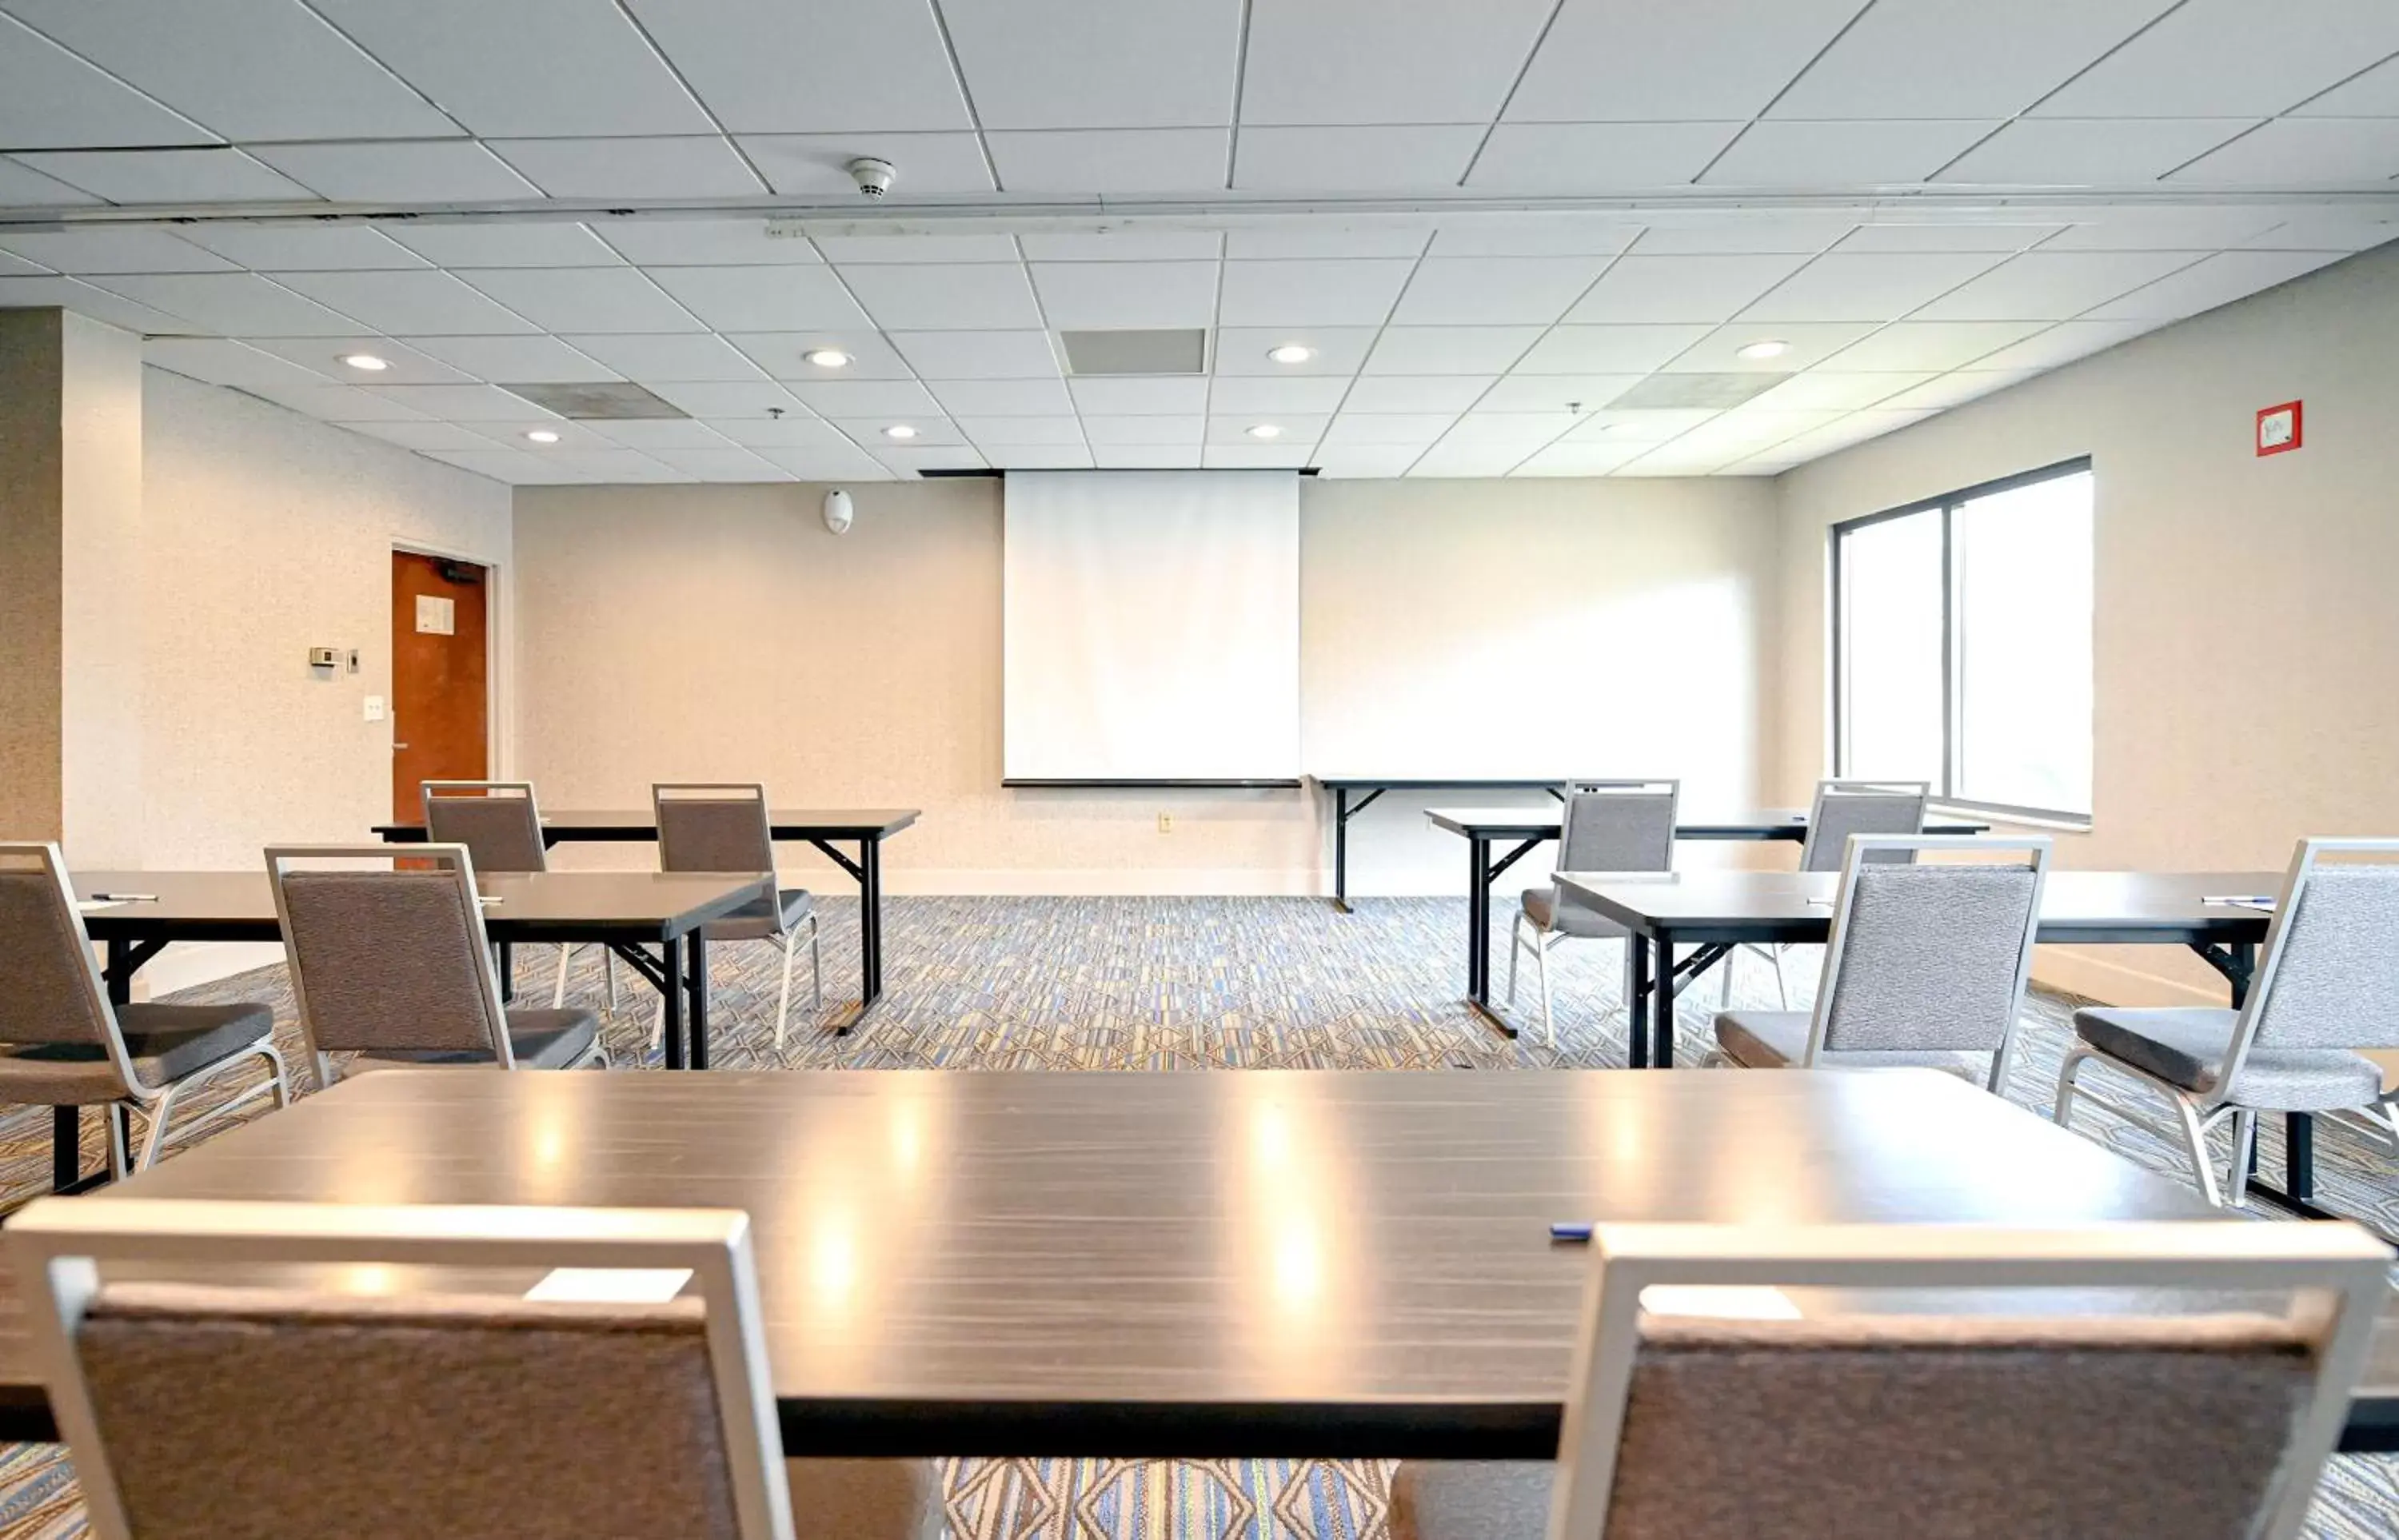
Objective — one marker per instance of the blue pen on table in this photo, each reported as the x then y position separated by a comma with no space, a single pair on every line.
125,897
1571,1230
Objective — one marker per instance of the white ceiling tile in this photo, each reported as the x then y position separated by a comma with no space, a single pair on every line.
1867,286
460,403
1382,158
404,365
341,403
968,296
963,398
987,431
845,462
51,97
1080,161
2309,151
890,399
2209,58
1705,288
516,361
721,465
1631,60
1366,462
111,249
800,164
99,304
977,354
1766,230
1038,457
1548,234
1592,158
933,431
420,303
1931,344
648,434
1139,397
784,355
1782,152
17,267
2137,228
1963,236
1594,459
1494,291
2327,230
2219,279
425,438
1608,349
511,434
1409,393
763,66
689,166
763,298
22,187
1554,392
2060,345
1806,344
1468,460
1960,58
730,400
583,298
302,248
422,171
2371,93
168,176
1338,349
504,465
1400,61
607,466
1823,389
919,458
229,363
1526,428
1124,246
917,248
1449,349
1638,426
1308,392
1310,293
1233,428
1105,294
2089,152
1702,458
786,433
233,302
527,69
1148,456
1420,428
1855,429
1323,239
1960,387
547,243
1132,63
664,240
685,357
2051,286
1155,431
1254,456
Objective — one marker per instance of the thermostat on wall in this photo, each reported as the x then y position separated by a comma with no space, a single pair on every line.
2278,428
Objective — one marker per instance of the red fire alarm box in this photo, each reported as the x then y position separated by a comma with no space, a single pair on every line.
2278,428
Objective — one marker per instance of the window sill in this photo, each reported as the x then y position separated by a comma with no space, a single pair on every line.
2017,817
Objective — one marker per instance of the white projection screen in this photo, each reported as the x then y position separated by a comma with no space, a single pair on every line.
1151,626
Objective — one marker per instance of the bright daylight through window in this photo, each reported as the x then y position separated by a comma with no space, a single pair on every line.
1963,644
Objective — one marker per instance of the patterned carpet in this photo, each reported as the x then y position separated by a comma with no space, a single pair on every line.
1196,983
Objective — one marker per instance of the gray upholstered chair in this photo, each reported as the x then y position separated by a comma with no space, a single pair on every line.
2326,984
715,827
390,964
1841,808
499,822
203,1408
64,1045
1925,965
1603,826
2213,1420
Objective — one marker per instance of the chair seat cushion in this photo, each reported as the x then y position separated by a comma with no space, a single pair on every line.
1471,1500
2185,1047
759,919
166,1043
1778,1039
1544,907
542,1040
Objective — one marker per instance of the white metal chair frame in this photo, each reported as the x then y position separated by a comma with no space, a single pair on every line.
2199,1113
55,1246
500,790
155,1106
1810,853
1541,940
451,859
727,792
2334,1273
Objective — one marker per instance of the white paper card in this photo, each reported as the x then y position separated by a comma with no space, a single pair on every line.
92,906
436,615
1723,1301
611,1285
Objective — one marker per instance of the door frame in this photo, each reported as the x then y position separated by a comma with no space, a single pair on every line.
499,760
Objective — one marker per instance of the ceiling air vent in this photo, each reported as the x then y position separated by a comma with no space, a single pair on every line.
1671,392
1136,352
614,402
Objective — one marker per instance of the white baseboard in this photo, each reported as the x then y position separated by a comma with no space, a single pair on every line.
1086,882
188,964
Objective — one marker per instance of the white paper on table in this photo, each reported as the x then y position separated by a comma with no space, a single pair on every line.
1721,1301
611,1285
93,906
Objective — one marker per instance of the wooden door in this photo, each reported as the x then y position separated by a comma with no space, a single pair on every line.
439,707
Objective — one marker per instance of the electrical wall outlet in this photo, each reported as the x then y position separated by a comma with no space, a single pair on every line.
1166,823
374,707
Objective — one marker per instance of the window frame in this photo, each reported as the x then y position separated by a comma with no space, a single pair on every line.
1947,504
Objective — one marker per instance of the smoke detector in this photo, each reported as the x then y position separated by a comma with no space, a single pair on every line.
874,177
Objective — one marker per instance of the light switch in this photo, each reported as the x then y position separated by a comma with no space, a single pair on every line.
374,707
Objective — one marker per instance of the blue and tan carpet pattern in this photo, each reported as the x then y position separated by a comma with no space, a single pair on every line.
1196,983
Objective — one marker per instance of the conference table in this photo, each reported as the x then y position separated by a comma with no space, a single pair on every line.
1368,789
866,828
1265,1264
627,911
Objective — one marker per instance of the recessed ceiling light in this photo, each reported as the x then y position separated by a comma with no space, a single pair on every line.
367,361
827,358
1291,353
541,436
1770,348
1266,430
898,430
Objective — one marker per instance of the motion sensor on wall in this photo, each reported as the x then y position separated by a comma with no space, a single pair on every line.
838,511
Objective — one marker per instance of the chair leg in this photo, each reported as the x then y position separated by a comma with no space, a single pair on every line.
2194,1134
2066,1071
816,968
566,953
1782,989
2245,1145
1724,981
783,1000
1541,963
1516,945
608,969
119,1136
154,1138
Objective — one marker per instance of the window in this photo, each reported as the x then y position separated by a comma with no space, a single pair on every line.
1961,645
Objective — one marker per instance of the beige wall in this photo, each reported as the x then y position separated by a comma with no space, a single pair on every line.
2247,638
32,450
722,631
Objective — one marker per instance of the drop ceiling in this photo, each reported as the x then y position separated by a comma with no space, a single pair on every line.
1497,230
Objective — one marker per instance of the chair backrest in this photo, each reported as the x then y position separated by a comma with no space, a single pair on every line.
1847,807
385,957
1617,825
195,1409
498,821
713,827
51,986
2328,976
1931,956
2136,1425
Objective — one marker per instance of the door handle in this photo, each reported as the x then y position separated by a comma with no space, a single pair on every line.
400,745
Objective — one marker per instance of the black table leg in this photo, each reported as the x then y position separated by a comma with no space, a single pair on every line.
671,987
1636,1005
1341,848
870,923
507,971
1478,924
1661,1013
696,995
